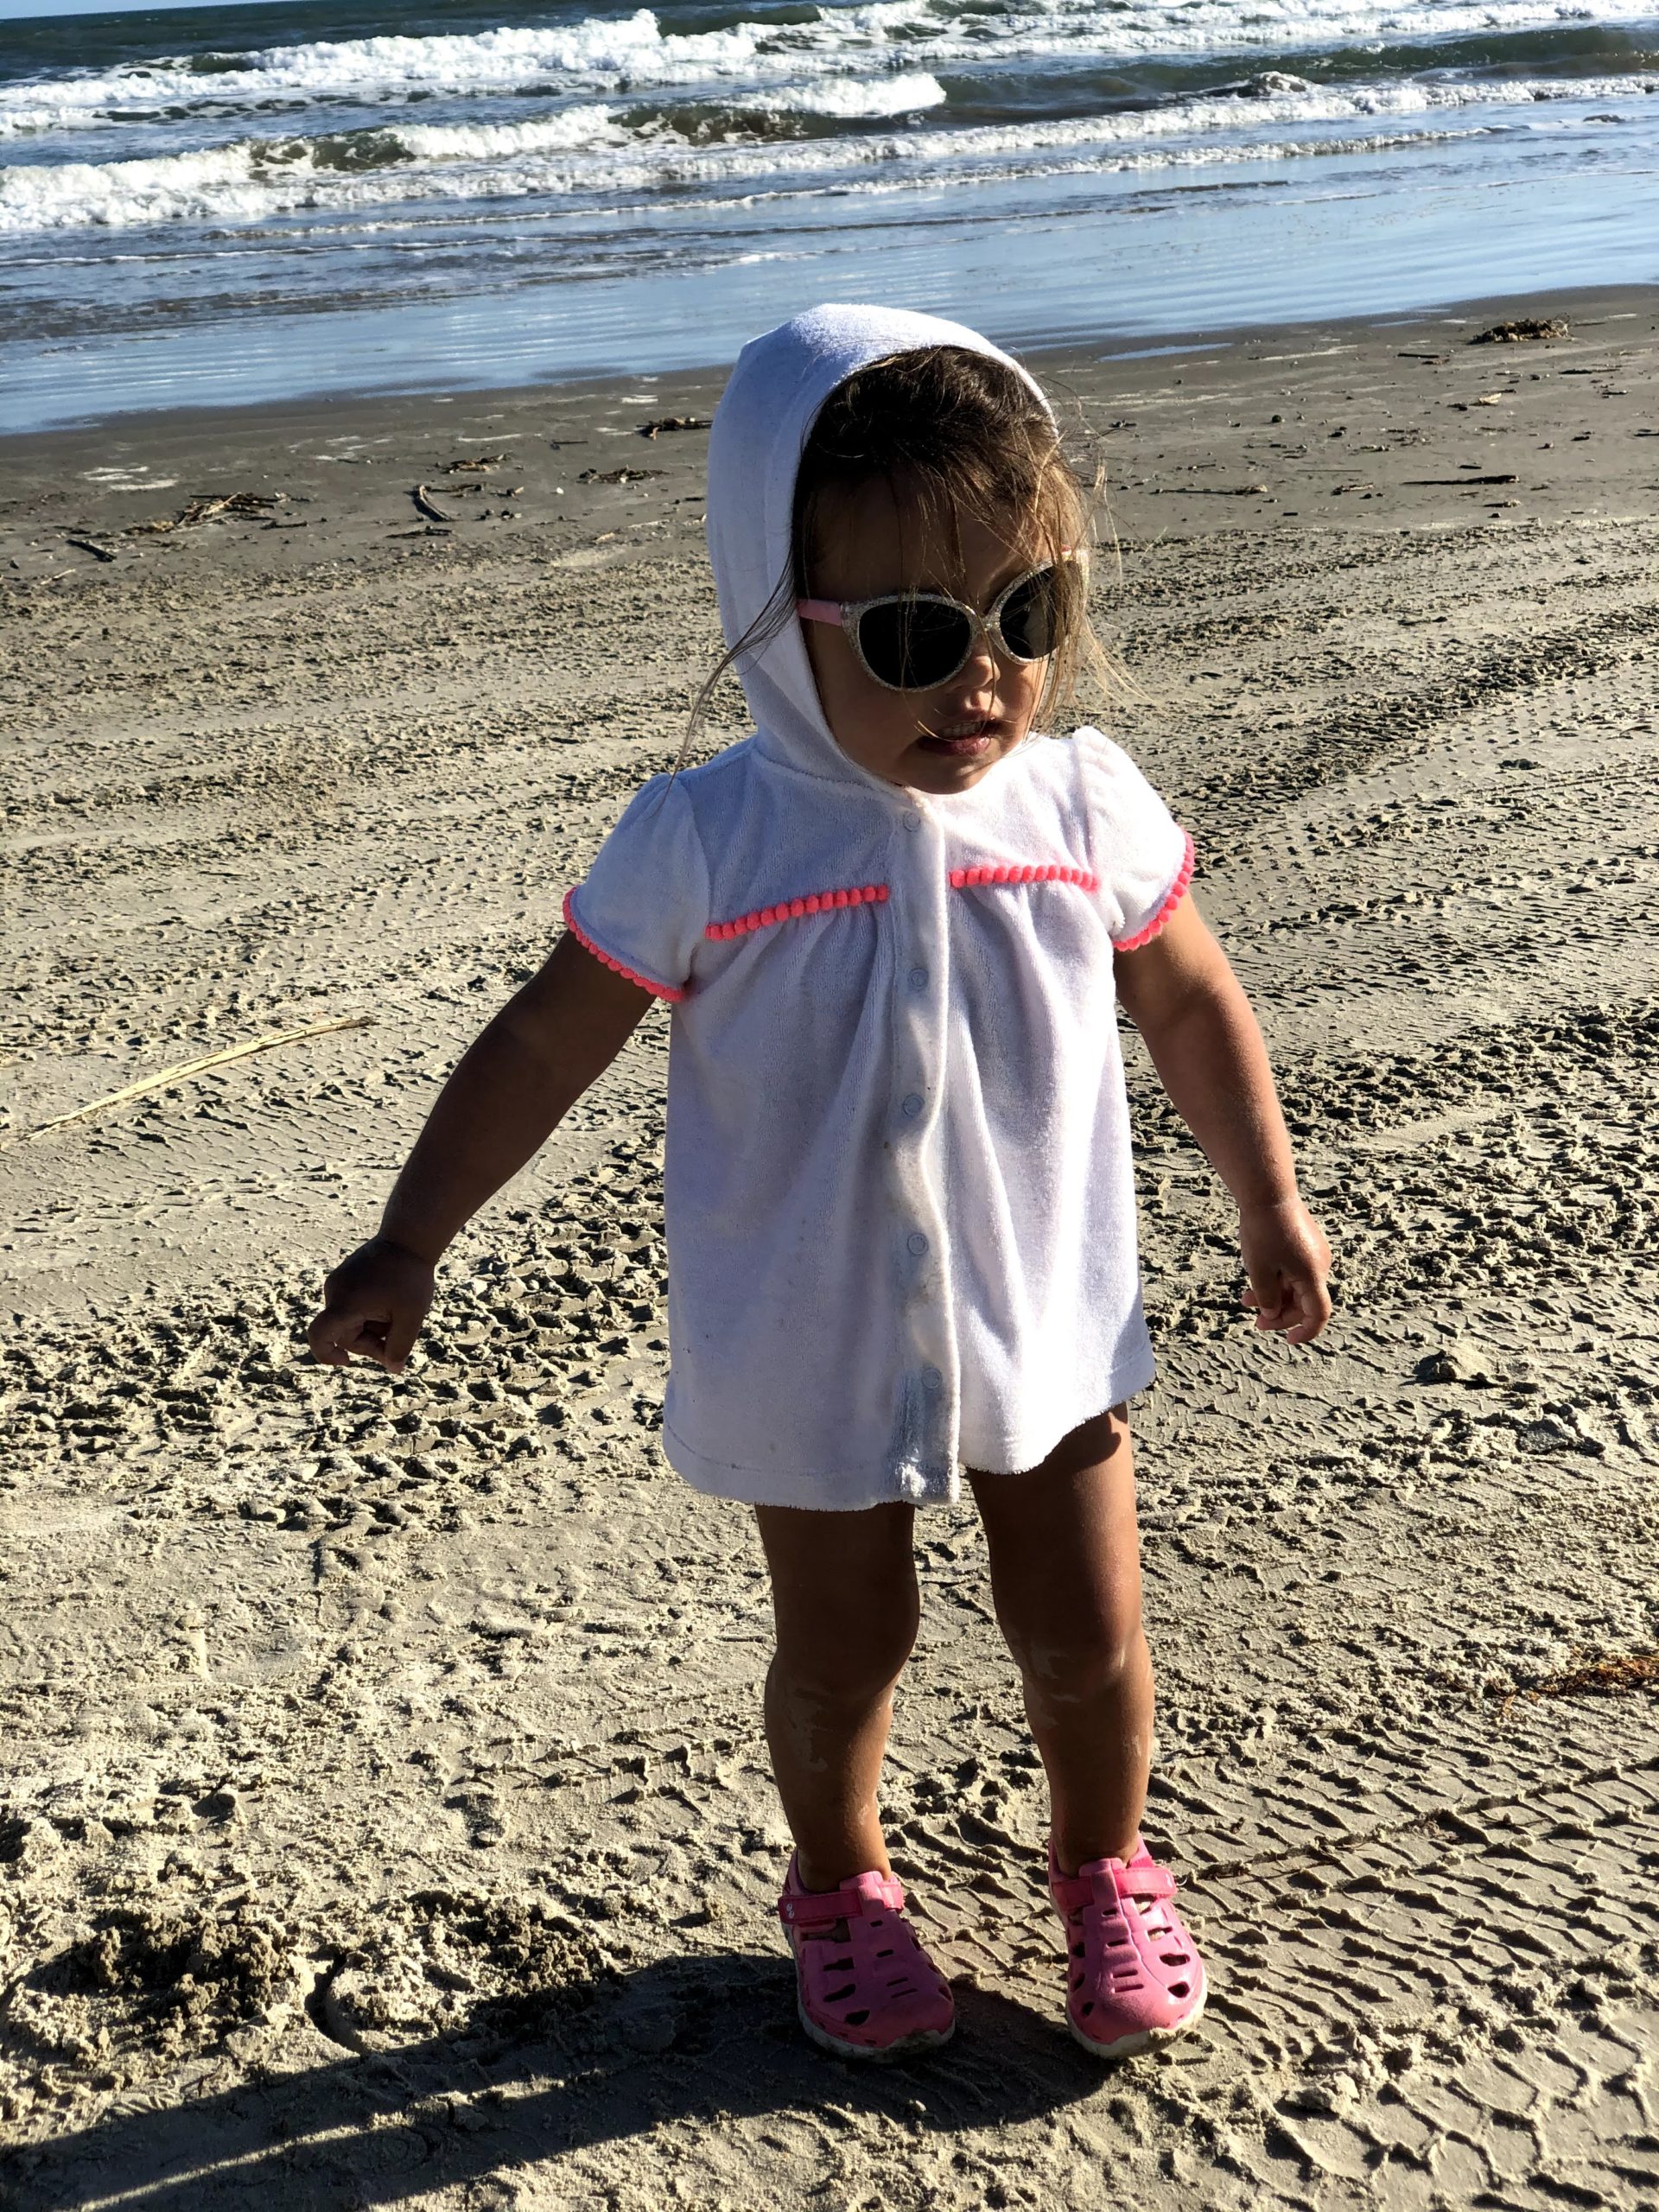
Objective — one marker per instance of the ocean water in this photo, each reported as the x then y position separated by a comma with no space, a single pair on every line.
210,205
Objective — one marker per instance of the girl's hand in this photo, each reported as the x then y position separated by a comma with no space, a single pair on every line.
373,1303
1287,1260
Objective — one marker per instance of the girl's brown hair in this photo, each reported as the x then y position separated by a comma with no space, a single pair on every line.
954,434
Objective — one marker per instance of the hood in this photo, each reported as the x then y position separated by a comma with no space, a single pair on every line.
759,428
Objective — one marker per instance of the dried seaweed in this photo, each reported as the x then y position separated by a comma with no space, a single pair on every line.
209,508
1616,1674
1524,326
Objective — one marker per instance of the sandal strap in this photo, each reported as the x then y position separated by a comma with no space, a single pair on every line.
799,1907
1107,1882
1143,1882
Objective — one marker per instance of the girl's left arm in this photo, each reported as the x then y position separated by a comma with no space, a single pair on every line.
1184,998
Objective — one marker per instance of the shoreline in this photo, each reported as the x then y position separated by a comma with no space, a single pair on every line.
1576,303
339,478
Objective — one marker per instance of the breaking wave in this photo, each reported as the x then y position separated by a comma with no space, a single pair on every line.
599,55
619,148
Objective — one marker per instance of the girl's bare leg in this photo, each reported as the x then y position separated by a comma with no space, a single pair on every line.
843,1596
1066,1576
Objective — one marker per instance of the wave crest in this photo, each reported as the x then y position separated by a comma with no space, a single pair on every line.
602,149
600,54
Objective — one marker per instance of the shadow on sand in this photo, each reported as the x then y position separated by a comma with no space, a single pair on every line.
706,2039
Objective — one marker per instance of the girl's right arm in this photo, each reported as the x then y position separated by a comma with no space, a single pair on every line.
510,1090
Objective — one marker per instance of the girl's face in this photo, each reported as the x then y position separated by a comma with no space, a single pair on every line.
942,740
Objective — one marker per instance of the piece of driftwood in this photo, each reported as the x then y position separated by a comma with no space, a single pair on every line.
187,1068
231,503
90,545
617,475
1443,483
479,460
429,505
1215,491
661,423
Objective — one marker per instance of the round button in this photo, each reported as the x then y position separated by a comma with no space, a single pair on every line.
917,1243
932,1379
912,1105
918,979
913,822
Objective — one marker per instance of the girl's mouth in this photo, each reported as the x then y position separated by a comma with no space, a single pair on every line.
962,741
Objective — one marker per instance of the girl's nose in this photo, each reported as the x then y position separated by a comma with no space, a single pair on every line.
981,662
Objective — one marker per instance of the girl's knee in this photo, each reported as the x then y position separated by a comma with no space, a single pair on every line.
844,1596
836,1659
1082,1659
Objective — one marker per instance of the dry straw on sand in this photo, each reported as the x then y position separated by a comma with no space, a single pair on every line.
187,1068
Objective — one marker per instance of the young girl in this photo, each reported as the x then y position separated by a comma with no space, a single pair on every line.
900,1210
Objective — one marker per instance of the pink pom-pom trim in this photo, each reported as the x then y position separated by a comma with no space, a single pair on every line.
1172,898
657,990
792,910
970,878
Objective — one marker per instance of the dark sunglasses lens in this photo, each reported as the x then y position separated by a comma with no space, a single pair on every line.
913,644
1033,618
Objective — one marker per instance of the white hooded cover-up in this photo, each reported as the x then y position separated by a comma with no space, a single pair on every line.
899,1199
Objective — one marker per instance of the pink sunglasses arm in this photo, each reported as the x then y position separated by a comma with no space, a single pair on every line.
819,610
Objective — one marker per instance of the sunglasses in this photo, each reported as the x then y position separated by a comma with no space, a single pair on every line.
916,640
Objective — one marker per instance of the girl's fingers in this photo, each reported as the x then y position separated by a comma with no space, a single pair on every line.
1287,1276
1314,1306
1299,1307
331,1336
400,1336
374,1304
335,1335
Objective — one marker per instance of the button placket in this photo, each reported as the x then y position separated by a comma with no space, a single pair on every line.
925,1449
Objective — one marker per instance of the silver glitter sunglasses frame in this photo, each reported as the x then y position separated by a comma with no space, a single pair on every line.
846,614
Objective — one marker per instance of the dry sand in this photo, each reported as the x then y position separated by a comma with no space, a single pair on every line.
386,1819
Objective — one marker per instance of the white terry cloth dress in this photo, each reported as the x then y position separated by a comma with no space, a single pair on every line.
899,1201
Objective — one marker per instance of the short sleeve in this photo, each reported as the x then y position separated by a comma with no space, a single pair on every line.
642,905
1142,857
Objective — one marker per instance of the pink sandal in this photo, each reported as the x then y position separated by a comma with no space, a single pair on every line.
865,1986
1135,1977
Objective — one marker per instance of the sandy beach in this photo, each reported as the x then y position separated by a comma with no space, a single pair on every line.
385,1819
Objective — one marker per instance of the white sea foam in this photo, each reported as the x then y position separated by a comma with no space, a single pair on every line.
612,53
853,98
596,149
440,143
253,179
607,51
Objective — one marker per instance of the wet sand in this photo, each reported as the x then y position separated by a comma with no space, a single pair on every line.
385,1818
